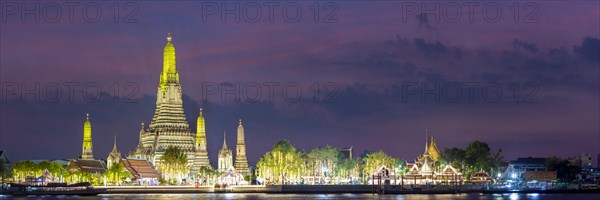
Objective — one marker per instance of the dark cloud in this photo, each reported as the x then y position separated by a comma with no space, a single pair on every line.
430,47
523,45
589,49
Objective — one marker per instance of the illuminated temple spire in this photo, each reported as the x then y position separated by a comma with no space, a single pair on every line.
169,106
200,132
225,158
169,73
141,151
201,151
141,134
224,141
169,126
114,144
115,156
86,150
241,162
427,163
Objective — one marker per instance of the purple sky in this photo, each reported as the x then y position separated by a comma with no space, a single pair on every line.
368,54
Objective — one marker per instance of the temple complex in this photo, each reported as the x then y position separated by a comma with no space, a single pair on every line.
426,169
169,127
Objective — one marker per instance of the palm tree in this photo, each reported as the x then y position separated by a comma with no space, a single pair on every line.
173,163
117,174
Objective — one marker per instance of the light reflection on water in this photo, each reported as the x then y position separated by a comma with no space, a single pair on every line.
507,196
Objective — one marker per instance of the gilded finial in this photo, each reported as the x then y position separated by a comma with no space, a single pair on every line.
224,141
200,111
426,139
240,121
87,116
169,37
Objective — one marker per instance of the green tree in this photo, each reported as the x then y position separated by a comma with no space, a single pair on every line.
564,171
373,161
54,168
41,166
455,157
116,174
479,158
206,173
282,164
173,164
347,168
324,160
476,157
24,169
82,177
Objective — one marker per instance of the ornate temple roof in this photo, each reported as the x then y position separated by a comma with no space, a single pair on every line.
89,166
140,168
224,151
114,155
433,150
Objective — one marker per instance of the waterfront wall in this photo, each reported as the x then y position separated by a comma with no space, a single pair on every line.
317,189
326,189
256,189
155,189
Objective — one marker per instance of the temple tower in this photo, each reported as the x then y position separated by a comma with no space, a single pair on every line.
201,150
225,157
141,151
241,163
114,157
86,149
169,126
425,159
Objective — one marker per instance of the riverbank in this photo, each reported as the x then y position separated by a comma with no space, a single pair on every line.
312,189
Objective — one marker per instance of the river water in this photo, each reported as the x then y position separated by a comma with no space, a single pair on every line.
508,196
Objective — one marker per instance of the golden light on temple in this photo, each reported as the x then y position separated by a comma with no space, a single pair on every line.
86,149
169,73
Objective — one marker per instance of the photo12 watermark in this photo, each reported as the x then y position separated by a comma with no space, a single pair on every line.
270,11
28,12
69,92
208,11
469,11
270,92
468,92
